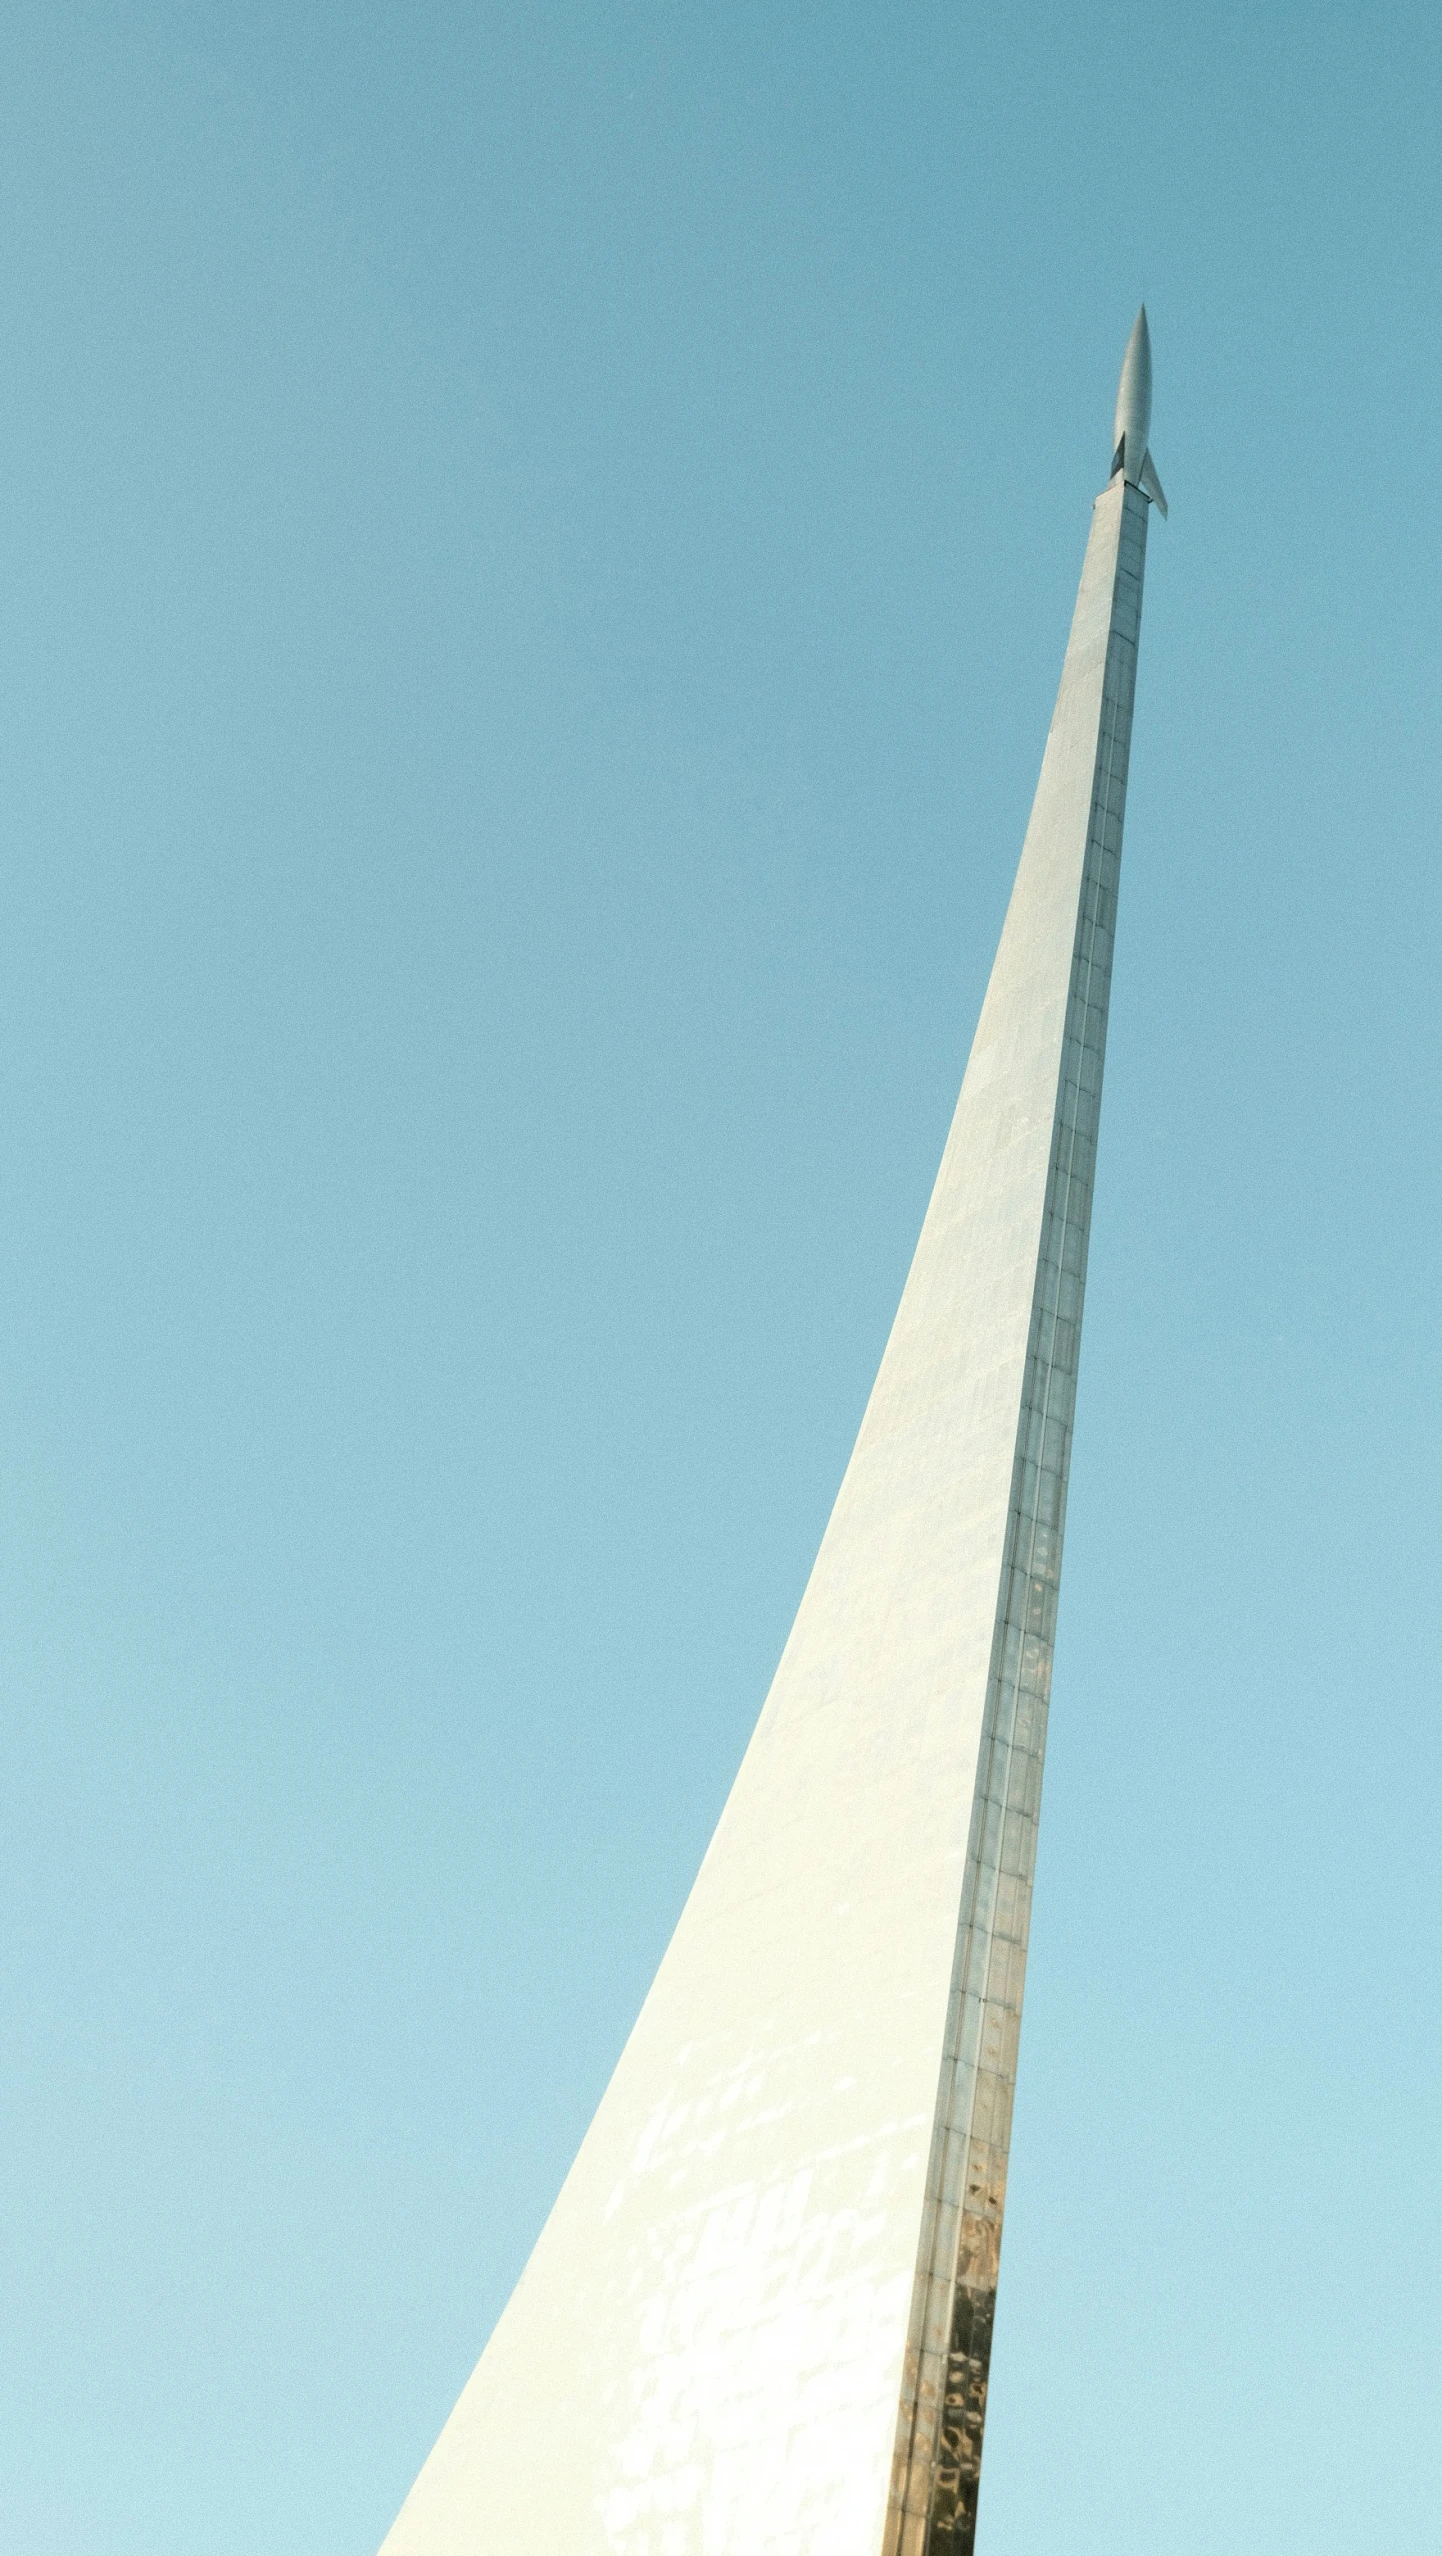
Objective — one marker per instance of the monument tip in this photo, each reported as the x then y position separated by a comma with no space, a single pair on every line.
1134,415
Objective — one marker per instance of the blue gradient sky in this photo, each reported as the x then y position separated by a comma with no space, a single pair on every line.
536,545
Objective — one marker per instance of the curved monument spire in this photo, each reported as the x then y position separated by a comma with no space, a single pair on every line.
758,2320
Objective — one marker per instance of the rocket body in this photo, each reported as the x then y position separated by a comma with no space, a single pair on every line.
1134,415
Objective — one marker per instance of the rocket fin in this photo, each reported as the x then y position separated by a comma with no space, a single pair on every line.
1149,483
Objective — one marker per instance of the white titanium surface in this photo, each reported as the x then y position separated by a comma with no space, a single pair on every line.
708,2352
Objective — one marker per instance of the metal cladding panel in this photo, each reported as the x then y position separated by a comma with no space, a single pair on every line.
741,2299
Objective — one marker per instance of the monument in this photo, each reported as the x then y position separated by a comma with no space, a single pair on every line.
758,2320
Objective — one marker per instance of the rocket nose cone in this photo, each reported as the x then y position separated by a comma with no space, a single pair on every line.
1134,394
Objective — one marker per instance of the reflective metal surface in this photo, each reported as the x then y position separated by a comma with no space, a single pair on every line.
758,2321
934,2498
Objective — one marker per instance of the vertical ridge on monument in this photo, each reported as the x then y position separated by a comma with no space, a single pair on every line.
758,2320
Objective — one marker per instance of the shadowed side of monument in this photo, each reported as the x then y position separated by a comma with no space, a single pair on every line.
949,2352
758,2320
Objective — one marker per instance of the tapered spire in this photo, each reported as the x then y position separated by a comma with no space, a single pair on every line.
759,2317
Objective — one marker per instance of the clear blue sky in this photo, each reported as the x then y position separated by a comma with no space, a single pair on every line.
535,549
